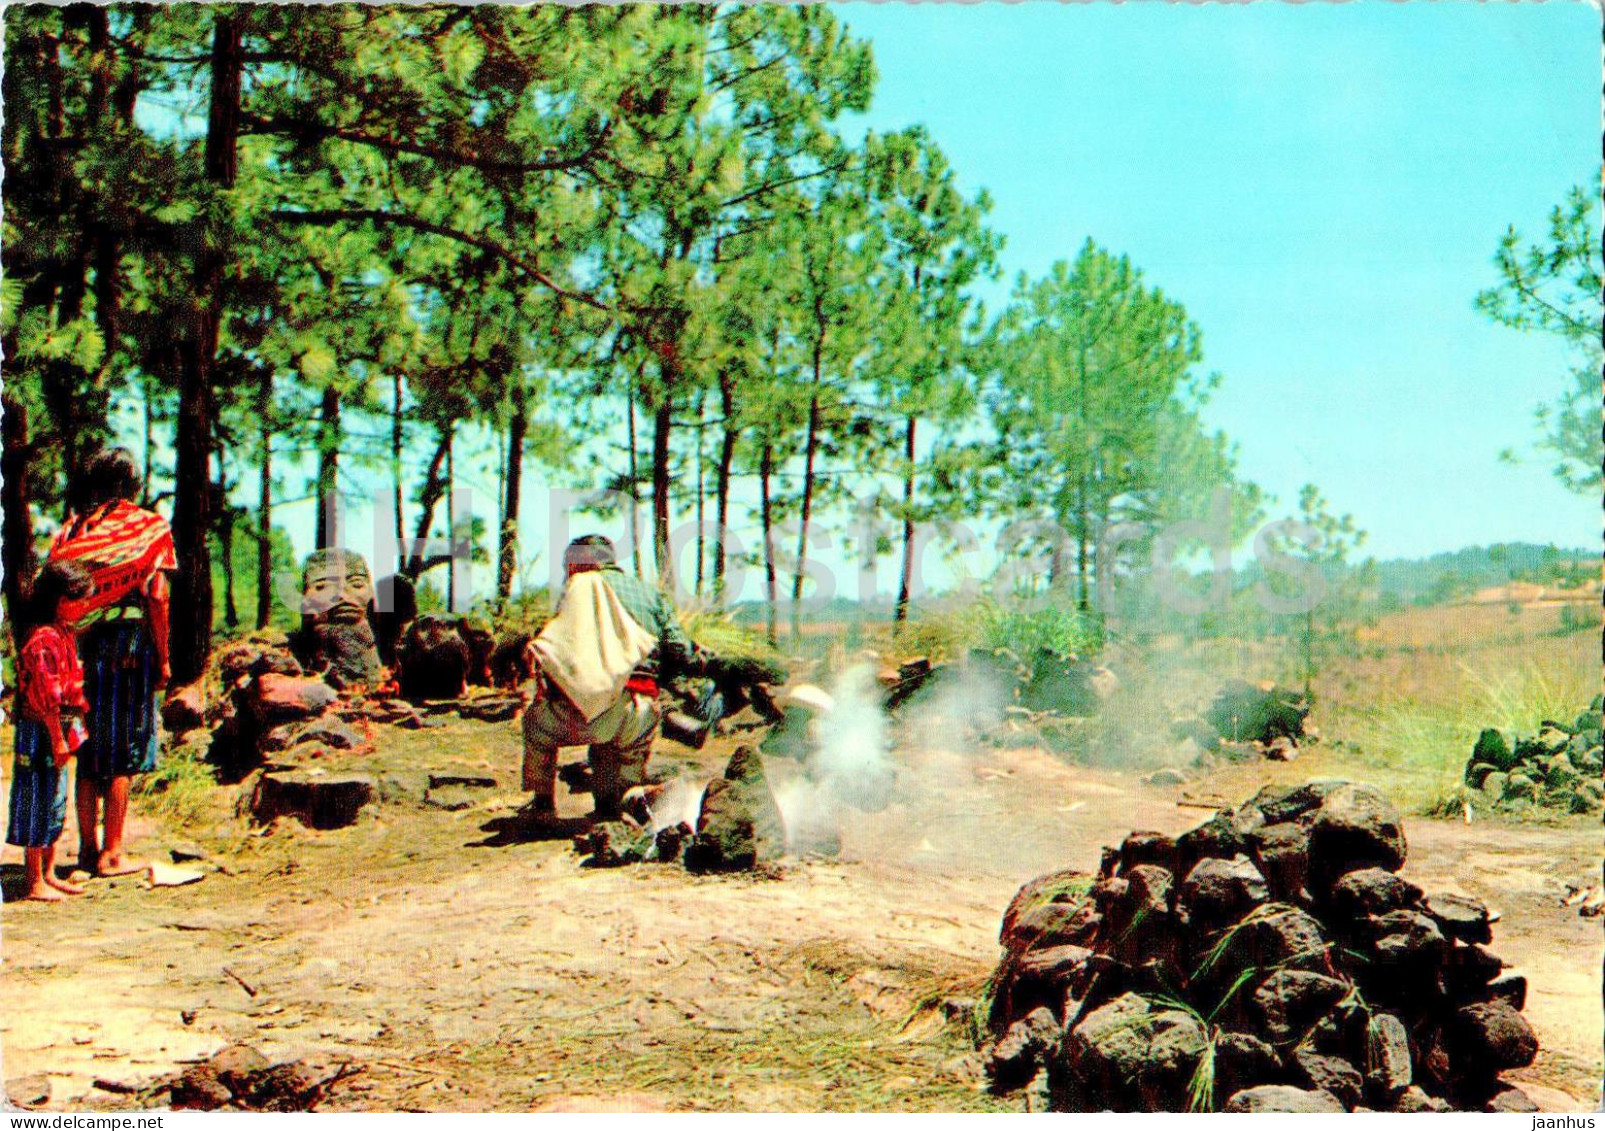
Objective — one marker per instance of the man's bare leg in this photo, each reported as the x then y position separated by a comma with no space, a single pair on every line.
88,803
112,860
47,868
34,864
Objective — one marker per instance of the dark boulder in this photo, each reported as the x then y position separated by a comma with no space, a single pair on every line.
1054,924
1368,892
1289,1003
1408,945
319,801
1177,1043
1106,1049
1280,804
1282,1098
1276,938
1488,1037
1014,1060
432,660
1469,969
740,824
1511,989
1512,1100
273,698
1282,853
510,664
1148,848
199,1089
1461,917
1387,1054
1066,886
1414,1100
1218,836
1243,1060
1355,827
1217,893
184,708
1327,1074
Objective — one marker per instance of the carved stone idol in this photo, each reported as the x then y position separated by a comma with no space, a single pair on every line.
336,636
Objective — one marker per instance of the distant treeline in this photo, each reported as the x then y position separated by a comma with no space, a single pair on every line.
1460,573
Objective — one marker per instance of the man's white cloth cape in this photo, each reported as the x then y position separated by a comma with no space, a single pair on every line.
592,644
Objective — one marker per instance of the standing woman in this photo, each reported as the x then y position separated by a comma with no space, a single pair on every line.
129,551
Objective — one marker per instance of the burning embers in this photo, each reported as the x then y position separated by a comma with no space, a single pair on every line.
1271,959
729,824
840,742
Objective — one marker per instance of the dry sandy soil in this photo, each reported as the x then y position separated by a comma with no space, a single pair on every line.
466,968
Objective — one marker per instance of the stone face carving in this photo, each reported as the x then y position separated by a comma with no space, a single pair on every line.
336,635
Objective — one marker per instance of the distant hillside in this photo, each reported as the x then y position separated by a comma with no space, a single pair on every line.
1440,579
1457,574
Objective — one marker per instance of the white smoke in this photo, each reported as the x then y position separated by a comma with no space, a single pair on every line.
851,743
966,702
848,764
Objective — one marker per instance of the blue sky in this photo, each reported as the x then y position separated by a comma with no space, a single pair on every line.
1323,187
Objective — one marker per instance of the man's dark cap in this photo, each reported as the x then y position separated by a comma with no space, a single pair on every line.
589,550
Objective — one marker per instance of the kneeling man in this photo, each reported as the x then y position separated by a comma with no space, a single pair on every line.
597,664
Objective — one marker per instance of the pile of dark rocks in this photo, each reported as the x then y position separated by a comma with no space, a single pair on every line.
1557,768
240,1078
1271,959
738,826
284,732
1247,722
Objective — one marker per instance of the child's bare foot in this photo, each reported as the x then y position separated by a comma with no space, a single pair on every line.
116,864
66,886
44,893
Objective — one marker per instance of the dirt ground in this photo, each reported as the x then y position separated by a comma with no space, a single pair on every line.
467,968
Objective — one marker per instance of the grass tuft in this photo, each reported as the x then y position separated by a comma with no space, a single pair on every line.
181,790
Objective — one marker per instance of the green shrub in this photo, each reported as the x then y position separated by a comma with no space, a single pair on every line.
989,624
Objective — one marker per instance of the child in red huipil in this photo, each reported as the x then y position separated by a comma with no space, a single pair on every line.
50,724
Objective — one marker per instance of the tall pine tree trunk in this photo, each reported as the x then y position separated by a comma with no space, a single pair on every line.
225,543
395,455
328,467
1083,521
766,467
507,555
662,424
701,500
906,580
727,458
191,624
16,521
428,498
148,382
451,517
634,486
810,451
264,501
